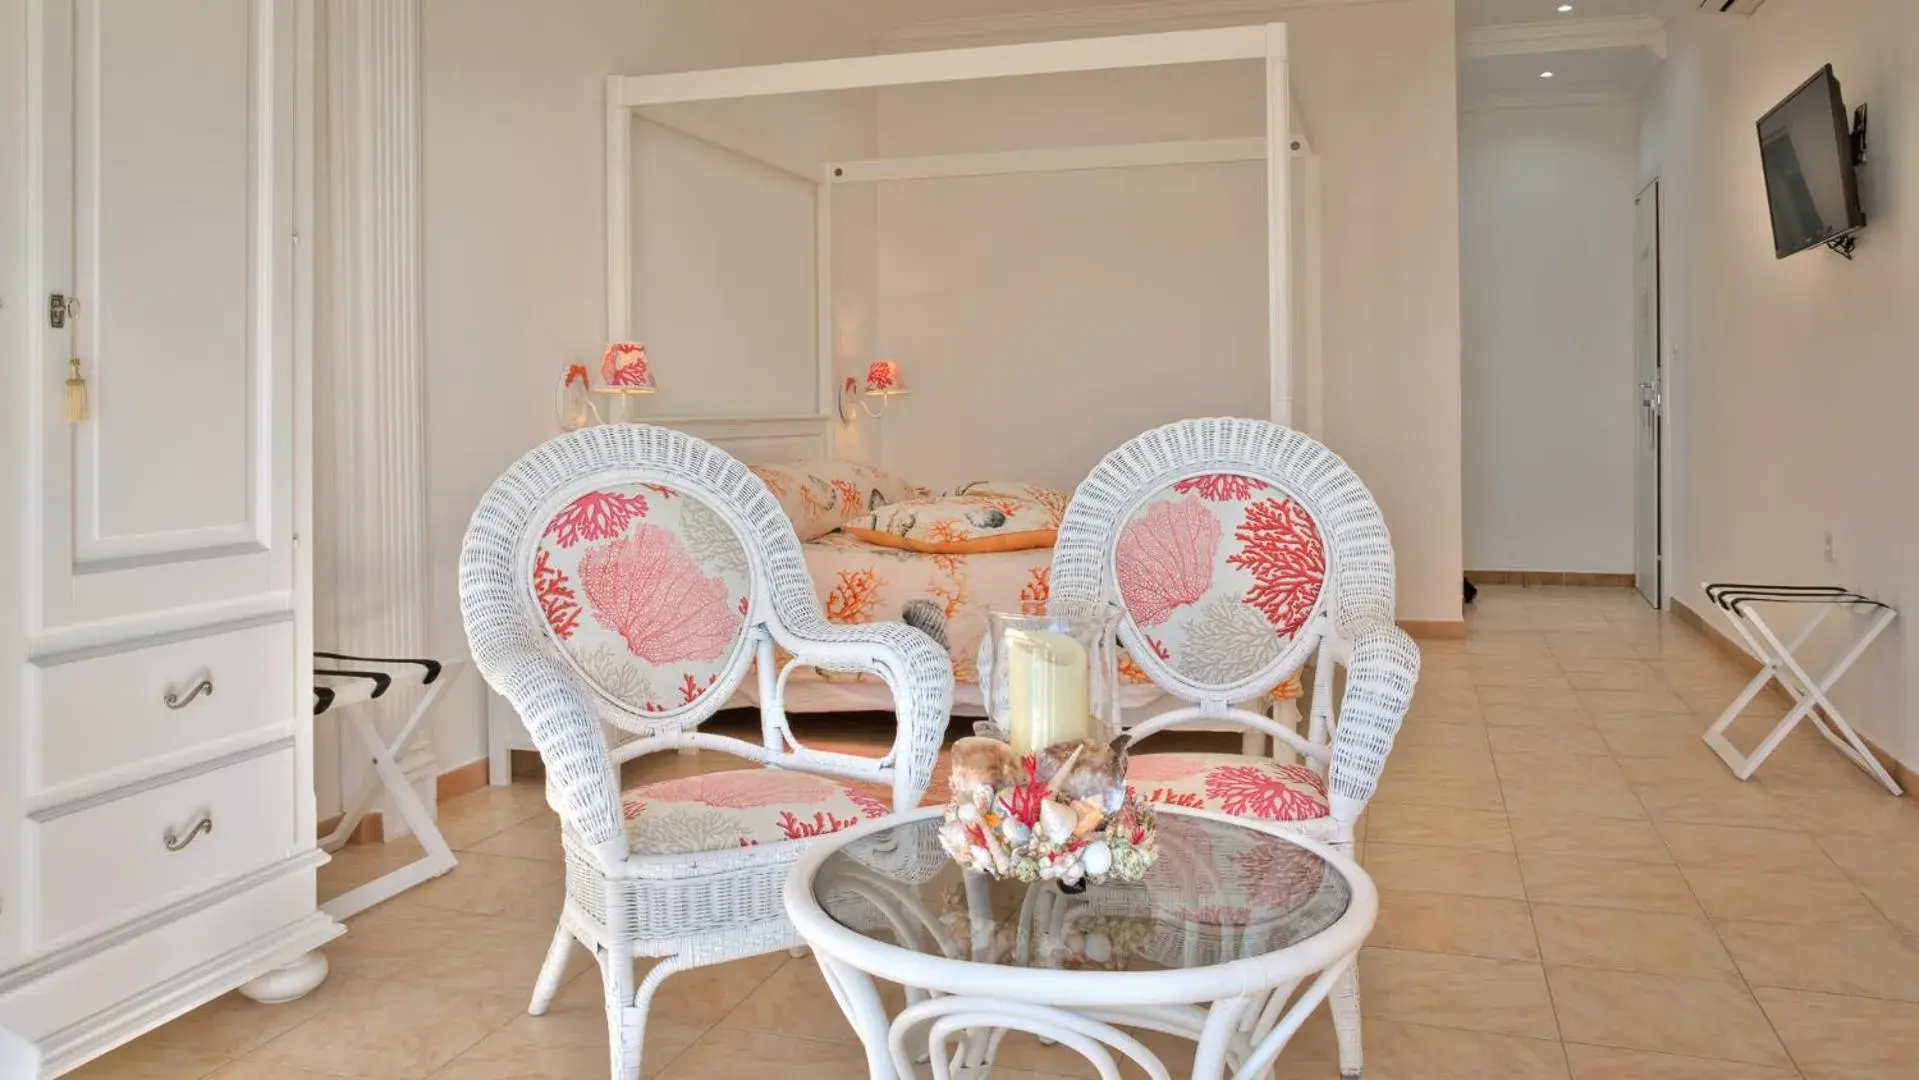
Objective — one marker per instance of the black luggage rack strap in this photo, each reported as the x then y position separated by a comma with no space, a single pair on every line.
1729,596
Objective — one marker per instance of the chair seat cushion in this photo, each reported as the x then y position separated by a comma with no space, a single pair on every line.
741,808
1230,784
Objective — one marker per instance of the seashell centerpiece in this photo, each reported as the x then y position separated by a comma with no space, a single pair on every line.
1062,814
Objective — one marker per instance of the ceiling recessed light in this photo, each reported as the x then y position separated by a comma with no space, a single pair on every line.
1564,8
1545,74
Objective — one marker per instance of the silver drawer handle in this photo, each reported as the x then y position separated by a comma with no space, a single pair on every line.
175,842
175,701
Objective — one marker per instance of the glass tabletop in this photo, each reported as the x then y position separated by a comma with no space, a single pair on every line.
1219,892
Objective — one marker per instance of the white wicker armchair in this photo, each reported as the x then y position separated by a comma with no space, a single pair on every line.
631,575
1238,550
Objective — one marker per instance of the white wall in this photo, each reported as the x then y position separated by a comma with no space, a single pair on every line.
513,115
515,285
1044,318
1376,84
1546,289
1794,382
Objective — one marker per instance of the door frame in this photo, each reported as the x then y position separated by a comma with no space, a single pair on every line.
1662,364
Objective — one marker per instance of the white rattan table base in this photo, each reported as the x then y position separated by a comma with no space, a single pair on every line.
1240,1015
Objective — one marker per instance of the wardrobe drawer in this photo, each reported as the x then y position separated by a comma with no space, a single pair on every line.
109,859
104,712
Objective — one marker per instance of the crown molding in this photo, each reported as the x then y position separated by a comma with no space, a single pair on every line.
1132,14
1496,102
1566,35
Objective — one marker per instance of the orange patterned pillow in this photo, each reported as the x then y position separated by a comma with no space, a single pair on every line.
959,525
821,495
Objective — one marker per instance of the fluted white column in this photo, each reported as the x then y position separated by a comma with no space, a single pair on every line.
373,360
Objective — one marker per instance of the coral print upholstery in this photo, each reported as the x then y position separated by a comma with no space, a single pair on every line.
645,590
1230,784
743,808
960,525
1218,573
820,496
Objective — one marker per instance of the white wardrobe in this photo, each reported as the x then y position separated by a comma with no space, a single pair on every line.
156,797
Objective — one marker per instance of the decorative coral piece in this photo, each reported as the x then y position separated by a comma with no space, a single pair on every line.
1284,554
596,515
1165,559
648,589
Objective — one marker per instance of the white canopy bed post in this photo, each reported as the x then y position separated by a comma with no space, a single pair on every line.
1279,228
1282,142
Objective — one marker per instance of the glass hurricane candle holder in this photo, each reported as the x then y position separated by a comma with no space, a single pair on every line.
1049,678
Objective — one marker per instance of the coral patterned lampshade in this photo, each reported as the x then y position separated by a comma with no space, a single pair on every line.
883,379
624,369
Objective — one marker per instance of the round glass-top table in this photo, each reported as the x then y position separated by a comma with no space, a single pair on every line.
1216,943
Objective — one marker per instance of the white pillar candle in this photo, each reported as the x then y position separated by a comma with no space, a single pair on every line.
1046,689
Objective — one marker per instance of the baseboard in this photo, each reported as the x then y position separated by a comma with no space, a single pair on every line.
1575,578
459,781
1725,644
1434,628
450,784
371,830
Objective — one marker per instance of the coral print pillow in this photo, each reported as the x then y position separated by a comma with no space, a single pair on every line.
820,496
1218,574
960,525
645,588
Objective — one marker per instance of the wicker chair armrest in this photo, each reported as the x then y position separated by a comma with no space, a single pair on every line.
1382,664
913,666
557,709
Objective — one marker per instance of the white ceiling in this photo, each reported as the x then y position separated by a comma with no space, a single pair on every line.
1611,66
1473,13
1587,74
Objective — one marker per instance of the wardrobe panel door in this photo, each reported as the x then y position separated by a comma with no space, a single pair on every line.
169,133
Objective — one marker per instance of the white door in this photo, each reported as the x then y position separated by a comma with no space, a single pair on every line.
168,163
1648,399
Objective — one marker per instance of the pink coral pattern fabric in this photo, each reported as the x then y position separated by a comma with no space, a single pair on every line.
1230,784
1219,573
821,495
741,808
645,588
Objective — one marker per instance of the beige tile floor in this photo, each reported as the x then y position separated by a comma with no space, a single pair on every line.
1573,887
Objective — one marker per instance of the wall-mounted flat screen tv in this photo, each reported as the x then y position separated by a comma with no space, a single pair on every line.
1811,184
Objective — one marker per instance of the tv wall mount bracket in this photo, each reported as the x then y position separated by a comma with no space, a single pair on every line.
1844,245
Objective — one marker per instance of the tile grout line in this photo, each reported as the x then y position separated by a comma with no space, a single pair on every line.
1713,926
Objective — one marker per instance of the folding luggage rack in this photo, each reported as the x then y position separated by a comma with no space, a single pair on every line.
358,680
1741,603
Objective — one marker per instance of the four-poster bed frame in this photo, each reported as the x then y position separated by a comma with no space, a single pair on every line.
1284,143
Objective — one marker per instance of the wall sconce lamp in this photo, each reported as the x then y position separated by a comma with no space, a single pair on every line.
624,376
883,381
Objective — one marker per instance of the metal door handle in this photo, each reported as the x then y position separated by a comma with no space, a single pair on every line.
175,701
175,842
